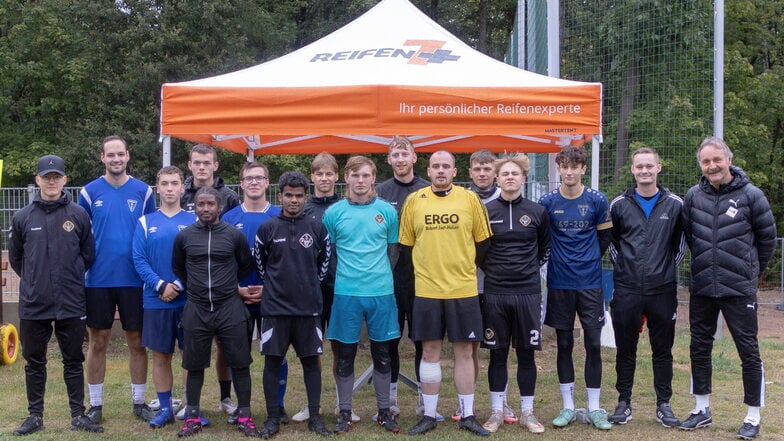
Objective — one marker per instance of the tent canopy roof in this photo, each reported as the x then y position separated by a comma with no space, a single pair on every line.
391,71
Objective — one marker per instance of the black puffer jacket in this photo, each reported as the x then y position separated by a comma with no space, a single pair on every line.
50,248
646,252
732,236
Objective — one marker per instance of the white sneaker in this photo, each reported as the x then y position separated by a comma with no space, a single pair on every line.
181,414
302,415
354,417
509,415
227,406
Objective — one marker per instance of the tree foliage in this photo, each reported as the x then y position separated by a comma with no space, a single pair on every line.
75,71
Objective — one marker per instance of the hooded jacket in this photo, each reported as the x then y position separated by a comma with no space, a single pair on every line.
51,247
732,236
229,199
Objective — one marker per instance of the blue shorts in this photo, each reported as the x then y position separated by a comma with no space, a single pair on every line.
161,328
348,313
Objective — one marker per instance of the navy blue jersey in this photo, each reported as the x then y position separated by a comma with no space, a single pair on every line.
114,212
575,258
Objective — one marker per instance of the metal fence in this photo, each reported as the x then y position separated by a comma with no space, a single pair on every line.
13,199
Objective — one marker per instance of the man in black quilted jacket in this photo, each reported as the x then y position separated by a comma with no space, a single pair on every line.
730,230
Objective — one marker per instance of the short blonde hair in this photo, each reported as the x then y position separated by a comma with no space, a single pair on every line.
519,159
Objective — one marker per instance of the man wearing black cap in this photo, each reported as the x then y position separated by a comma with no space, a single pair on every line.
51,246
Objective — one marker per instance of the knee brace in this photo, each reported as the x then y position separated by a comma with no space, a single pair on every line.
379,351
430,372
346,355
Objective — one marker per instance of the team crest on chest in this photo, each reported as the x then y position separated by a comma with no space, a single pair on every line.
525,220
181,227
379,218
132,204
68,226
306,240
583,210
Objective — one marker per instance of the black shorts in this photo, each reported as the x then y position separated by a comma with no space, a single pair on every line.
229,321
303,333
563,304
515,319
103,302
460,318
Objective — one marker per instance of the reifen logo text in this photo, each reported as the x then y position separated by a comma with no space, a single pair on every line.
429,51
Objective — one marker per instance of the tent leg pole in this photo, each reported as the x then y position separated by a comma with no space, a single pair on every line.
166,153
594,163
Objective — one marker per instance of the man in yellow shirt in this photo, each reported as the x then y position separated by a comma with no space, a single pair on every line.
445,227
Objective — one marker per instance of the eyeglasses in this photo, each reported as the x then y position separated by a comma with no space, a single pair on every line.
249,179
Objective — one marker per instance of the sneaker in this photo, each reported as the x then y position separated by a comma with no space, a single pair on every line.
472,425
95,414
204,421
426,424
420,412
509,415
529,421
180,414
317,426
233,417
85,424
248,427
354,417
494,422
143,411
31,424
697,419
598,418
226,405
622,413
156,404
393,407
457,415
386,420
748,430
302,415
284,417
344,421
162,418
564,417
665,416
189,427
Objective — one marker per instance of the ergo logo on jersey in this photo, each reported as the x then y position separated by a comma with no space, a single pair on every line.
429,52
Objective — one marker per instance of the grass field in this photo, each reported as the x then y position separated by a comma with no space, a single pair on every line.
726,401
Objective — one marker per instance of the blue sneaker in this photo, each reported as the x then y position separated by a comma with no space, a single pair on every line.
204,421
163,417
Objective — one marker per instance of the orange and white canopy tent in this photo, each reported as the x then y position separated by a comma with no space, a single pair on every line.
391,71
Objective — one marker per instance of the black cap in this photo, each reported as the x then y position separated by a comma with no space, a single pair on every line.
51,164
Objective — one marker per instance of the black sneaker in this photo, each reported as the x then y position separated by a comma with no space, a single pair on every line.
95,414
386,420
248,428
472,425
748,431
317,426
31,424
190,427
344,423
426,424
665,416
85,424
233,417
143,411
284,417
622,413
697,420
